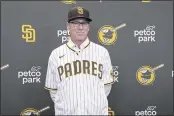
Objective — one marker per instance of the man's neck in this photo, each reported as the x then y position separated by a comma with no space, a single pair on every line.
78,43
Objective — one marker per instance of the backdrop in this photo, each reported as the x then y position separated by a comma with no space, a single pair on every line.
139,40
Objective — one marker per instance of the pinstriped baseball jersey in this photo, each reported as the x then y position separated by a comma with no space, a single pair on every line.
79,76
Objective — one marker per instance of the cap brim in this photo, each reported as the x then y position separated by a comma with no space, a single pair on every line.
87,19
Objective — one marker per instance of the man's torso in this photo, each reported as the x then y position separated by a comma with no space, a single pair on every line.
80,89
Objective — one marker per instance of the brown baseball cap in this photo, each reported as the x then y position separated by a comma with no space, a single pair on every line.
78,12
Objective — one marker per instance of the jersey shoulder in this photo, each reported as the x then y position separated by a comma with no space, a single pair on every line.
58,51
99,47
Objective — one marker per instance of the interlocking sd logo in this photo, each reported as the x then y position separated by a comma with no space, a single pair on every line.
29,33
110,112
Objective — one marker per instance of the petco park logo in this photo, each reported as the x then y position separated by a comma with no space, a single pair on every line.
147,35
115,72
150,111
63,35
30,76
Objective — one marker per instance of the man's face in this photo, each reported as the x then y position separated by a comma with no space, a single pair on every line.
78,29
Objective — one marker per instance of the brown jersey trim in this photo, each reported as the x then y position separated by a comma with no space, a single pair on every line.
72,49
49,88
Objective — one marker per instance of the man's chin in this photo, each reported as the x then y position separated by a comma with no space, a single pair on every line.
80,39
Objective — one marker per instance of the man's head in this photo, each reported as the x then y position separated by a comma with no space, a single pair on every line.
78,23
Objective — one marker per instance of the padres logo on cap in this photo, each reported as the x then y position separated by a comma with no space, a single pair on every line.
80,10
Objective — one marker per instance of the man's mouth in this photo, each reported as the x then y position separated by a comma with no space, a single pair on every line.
80,33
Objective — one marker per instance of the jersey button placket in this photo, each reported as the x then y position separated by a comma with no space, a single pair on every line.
77,52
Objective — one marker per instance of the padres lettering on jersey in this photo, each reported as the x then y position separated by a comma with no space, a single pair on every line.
79,76
78,67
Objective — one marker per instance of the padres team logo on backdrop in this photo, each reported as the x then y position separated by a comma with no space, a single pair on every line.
110,112
146,74
29,112
33,112
29,33
69,1
146,0
107,34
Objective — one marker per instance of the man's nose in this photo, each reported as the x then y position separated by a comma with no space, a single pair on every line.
80,26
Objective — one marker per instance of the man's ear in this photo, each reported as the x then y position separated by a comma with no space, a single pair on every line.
89,28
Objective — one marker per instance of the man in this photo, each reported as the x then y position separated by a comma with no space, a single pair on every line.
79,72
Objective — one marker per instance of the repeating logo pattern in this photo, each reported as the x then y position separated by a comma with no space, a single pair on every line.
30,76
146,74
107,34
69,1
33,112
150,111
29,33
147,35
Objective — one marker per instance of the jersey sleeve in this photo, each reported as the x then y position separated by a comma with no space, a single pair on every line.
51,74
108,77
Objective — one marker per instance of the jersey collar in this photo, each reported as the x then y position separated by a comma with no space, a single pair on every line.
82,46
